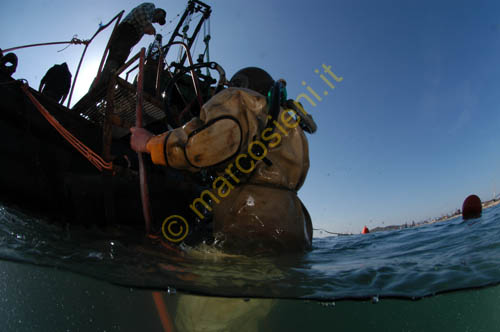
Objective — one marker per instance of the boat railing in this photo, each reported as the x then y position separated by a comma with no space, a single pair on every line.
159,71
115,19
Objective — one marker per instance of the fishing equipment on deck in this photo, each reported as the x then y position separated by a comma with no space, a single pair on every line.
8,63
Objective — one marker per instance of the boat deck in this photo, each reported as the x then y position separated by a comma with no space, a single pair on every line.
122,103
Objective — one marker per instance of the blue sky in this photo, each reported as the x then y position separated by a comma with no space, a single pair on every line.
411,130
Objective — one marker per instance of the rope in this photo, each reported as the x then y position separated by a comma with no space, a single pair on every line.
93,157
323,230
75,41
74,37
170,22
166,321
206,40
195,43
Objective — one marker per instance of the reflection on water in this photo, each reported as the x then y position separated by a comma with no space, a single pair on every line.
196,313
47,299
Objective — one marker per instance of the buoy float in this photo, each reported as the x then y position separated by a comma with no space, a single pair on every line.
472,207
365,230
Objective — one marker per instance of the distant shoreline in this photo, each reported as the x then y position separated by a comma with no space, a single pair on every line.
486,205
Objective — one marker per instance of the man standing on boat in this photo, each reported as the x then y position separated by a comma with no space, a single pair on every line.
128,33
56,83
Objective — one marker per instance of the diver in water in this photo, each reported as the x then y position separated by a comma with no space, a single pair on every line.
258,160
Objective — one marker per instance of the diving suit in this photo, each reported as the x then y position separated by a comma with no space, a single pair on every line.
257,167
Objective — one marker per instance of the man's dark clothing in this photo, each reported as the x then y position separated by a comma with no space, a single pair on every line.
128,33
125,37
56,82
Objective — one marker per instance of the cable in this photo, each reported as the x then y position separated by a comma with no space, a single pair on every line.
323,230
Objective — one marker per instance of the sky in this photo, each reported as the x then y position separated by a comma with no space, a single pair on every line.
410,131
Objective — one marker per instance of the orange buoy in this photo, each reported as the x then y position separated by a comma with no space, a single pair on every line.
472,208
365,230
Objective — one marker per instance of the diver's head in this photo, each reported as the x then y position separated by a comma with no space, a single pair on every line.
252,78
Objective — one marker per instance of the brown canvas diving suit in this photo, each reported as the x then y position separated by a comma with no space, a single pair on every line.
256,204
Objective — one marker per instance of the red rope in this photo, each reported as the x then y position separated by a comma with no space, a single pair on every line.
93,157
161,307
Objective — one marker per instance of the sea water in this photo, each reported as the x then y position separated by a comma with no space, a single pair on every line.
437,277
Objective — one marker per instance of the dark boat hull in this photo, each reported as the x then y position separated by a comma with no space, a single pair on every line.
41,172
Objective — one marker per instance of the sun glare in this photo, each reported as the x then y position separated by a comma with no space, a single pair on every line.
85,78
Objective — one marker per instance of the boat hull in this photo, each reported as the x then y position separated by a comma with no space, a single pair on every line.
41,172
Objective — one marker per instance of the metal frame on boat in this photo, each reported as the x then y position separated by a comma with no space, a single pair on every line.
76,165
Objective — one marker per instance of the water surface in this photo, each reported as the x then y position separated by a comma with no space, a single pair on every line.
408,263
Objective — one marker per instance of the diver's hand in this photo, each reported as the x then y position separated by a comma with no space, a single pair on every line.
139,139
